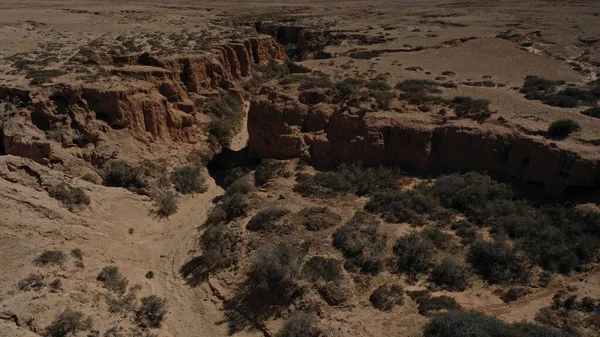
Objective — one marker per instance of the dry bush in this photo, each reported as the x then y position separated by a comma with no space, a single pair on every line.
50,257
416,254
562,128
316,218
189,179
300,324
68,323
450,275
385,298
32,282
497,262
152,312
267,219
68,195
113,280
433,304
319,268
166,204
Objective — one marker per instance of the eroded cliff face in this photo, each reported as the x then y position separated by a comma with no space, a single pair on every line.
282,127
151,98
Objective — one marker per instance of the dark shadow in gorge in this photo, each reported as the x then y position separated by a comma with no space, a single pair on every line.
223,163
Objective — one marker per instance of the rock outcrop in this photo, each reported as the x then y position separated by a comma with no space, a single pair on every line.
281,127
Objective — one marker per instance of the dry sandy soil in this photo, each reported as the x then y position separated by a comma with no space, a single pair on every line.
85,83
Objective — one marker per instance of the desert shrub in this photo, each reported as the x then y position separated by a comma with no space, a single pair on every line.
113,280
268,170
497,262
592,112
364,54
49,257
234,205
578,94
466,231
219,246
347,179
526,329
166,204
429,304
385,298
441,240
470,193
68,195
32,282
348,86
266,219
216,216
152,312
333,293
382,98
275,69
534,83
322,268
317,218
227,116
300,324
199,157
467,107
574,316
423,86
361,242
122,174
400,206
514,294
240,185
77,253
378,85
561,101
275,272
416,254
450,275
123,302
562,128
68,323
189,179
465,324
318,80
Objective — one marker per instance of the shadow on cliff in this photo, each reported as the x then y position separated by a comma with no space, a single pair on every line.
223,163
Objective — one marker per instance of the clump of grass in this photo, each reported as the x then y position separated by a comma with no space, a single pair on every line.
113,280
266,219
562,128
152,312
68,195
386,297
317,218
166,204
50,257
68,323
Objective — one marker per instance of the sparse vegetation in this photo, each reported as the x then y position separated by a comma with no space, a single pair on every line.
152,312
450,275
68,323
144,178
275,272
361,242
562,128
32,282
113,280
462,323
166,204
300,324
189,179
497,262
385,298
579,317
68,195
50,257
267,219
317,218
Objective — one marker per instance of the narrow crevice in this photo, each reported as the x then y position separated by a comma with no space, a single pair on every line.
2,148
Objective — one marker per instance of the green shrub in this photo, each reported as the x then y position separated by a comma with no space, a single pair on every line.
266,219
275,272
361,242
399,206
113,280
268,170
152,312
166,204
32,282
219,246
317,218
592,112
322,268
300,324
385,298
449,275
50,257
429,304
68,323
497,262
189,179
562,128
416,254
68,195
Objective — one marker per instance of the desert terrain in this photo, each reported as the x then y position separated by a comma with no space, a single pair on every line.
299,168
